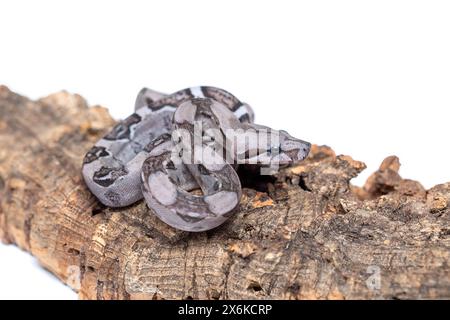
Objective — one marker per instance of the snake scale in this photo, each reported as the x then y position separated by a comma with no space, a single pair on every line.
160,153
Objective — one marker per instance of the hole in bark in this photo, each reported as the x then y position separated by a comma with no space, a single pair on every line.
255,286
98,208
251,178
189,298
155,296
302,184
444,233
73,251
249,227
295,288
91,269
215,295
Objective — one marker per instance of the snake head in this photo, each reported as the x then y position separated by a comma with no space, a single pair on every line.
289,150
262,145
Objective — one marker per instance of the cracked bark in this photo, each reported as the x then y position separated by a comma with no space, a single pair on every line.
305,234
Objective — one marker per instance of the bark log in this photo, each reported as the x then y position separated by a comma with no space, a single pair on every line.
305,234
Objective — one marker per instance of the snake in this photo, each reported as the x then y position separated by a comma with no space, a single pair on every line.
152,154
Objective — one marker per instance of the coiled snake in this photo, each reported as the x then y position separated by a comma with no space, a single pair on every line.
173,144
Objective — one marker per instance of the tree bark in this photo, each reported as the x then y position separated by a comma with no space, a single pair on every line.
306,233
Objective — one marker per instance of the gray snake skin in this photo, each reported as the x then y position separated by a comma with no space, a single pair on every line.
153,154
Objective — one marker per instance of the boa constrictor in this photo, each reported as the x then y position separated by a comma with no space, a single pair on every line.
136,158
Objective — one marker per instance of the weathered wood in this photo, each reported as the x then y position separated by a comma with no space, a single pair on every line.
305,234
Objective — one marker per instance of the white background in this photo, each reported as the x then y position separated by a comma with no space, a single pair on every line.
368,78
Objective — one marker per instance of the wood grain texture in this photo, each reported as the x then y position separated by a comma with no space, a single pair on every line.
305,234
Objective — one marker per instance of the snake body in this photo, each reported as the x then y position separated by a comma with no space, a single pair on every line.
136,158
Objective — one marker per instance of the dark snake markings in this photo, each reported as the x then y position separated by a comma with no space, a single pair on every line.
123,129
95,153
137,158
